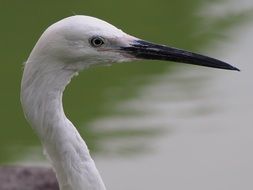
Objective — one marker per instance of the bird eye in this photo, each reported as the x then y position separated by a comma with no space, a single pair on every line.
97,41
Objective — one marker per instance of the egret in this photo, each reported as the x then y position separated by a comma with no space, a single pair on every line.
64,49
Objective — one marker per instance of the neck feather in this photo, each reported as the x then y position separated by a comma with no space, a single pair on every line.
41,97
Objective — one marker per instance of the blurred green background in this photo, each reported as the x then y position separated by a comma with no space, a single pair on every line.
95,92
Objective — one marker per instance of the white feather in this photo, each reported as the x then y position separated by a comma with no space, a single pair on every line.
61,52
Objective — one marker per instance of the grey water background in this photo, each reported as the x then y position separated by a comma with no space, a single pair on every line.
149,124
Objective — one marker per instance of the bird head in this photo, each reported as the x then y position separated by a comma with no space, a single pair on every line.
82,41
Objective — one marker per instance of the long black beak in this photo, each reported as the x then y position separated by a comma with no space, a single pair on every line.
146,50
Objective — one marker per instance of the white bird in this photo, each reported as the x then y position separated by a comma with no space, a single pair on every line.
65,48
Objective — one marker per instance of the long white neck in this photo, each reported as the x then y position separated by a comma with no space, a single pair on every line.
42,87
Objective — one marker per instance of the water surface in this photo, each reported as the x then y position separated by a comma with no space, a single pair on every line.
148,124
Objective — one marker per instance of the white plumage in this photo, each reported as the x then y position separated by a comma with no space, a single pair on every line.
57,57
63,50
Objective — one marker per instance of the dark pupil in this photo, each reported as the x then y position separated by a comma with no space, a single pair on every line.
97,42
